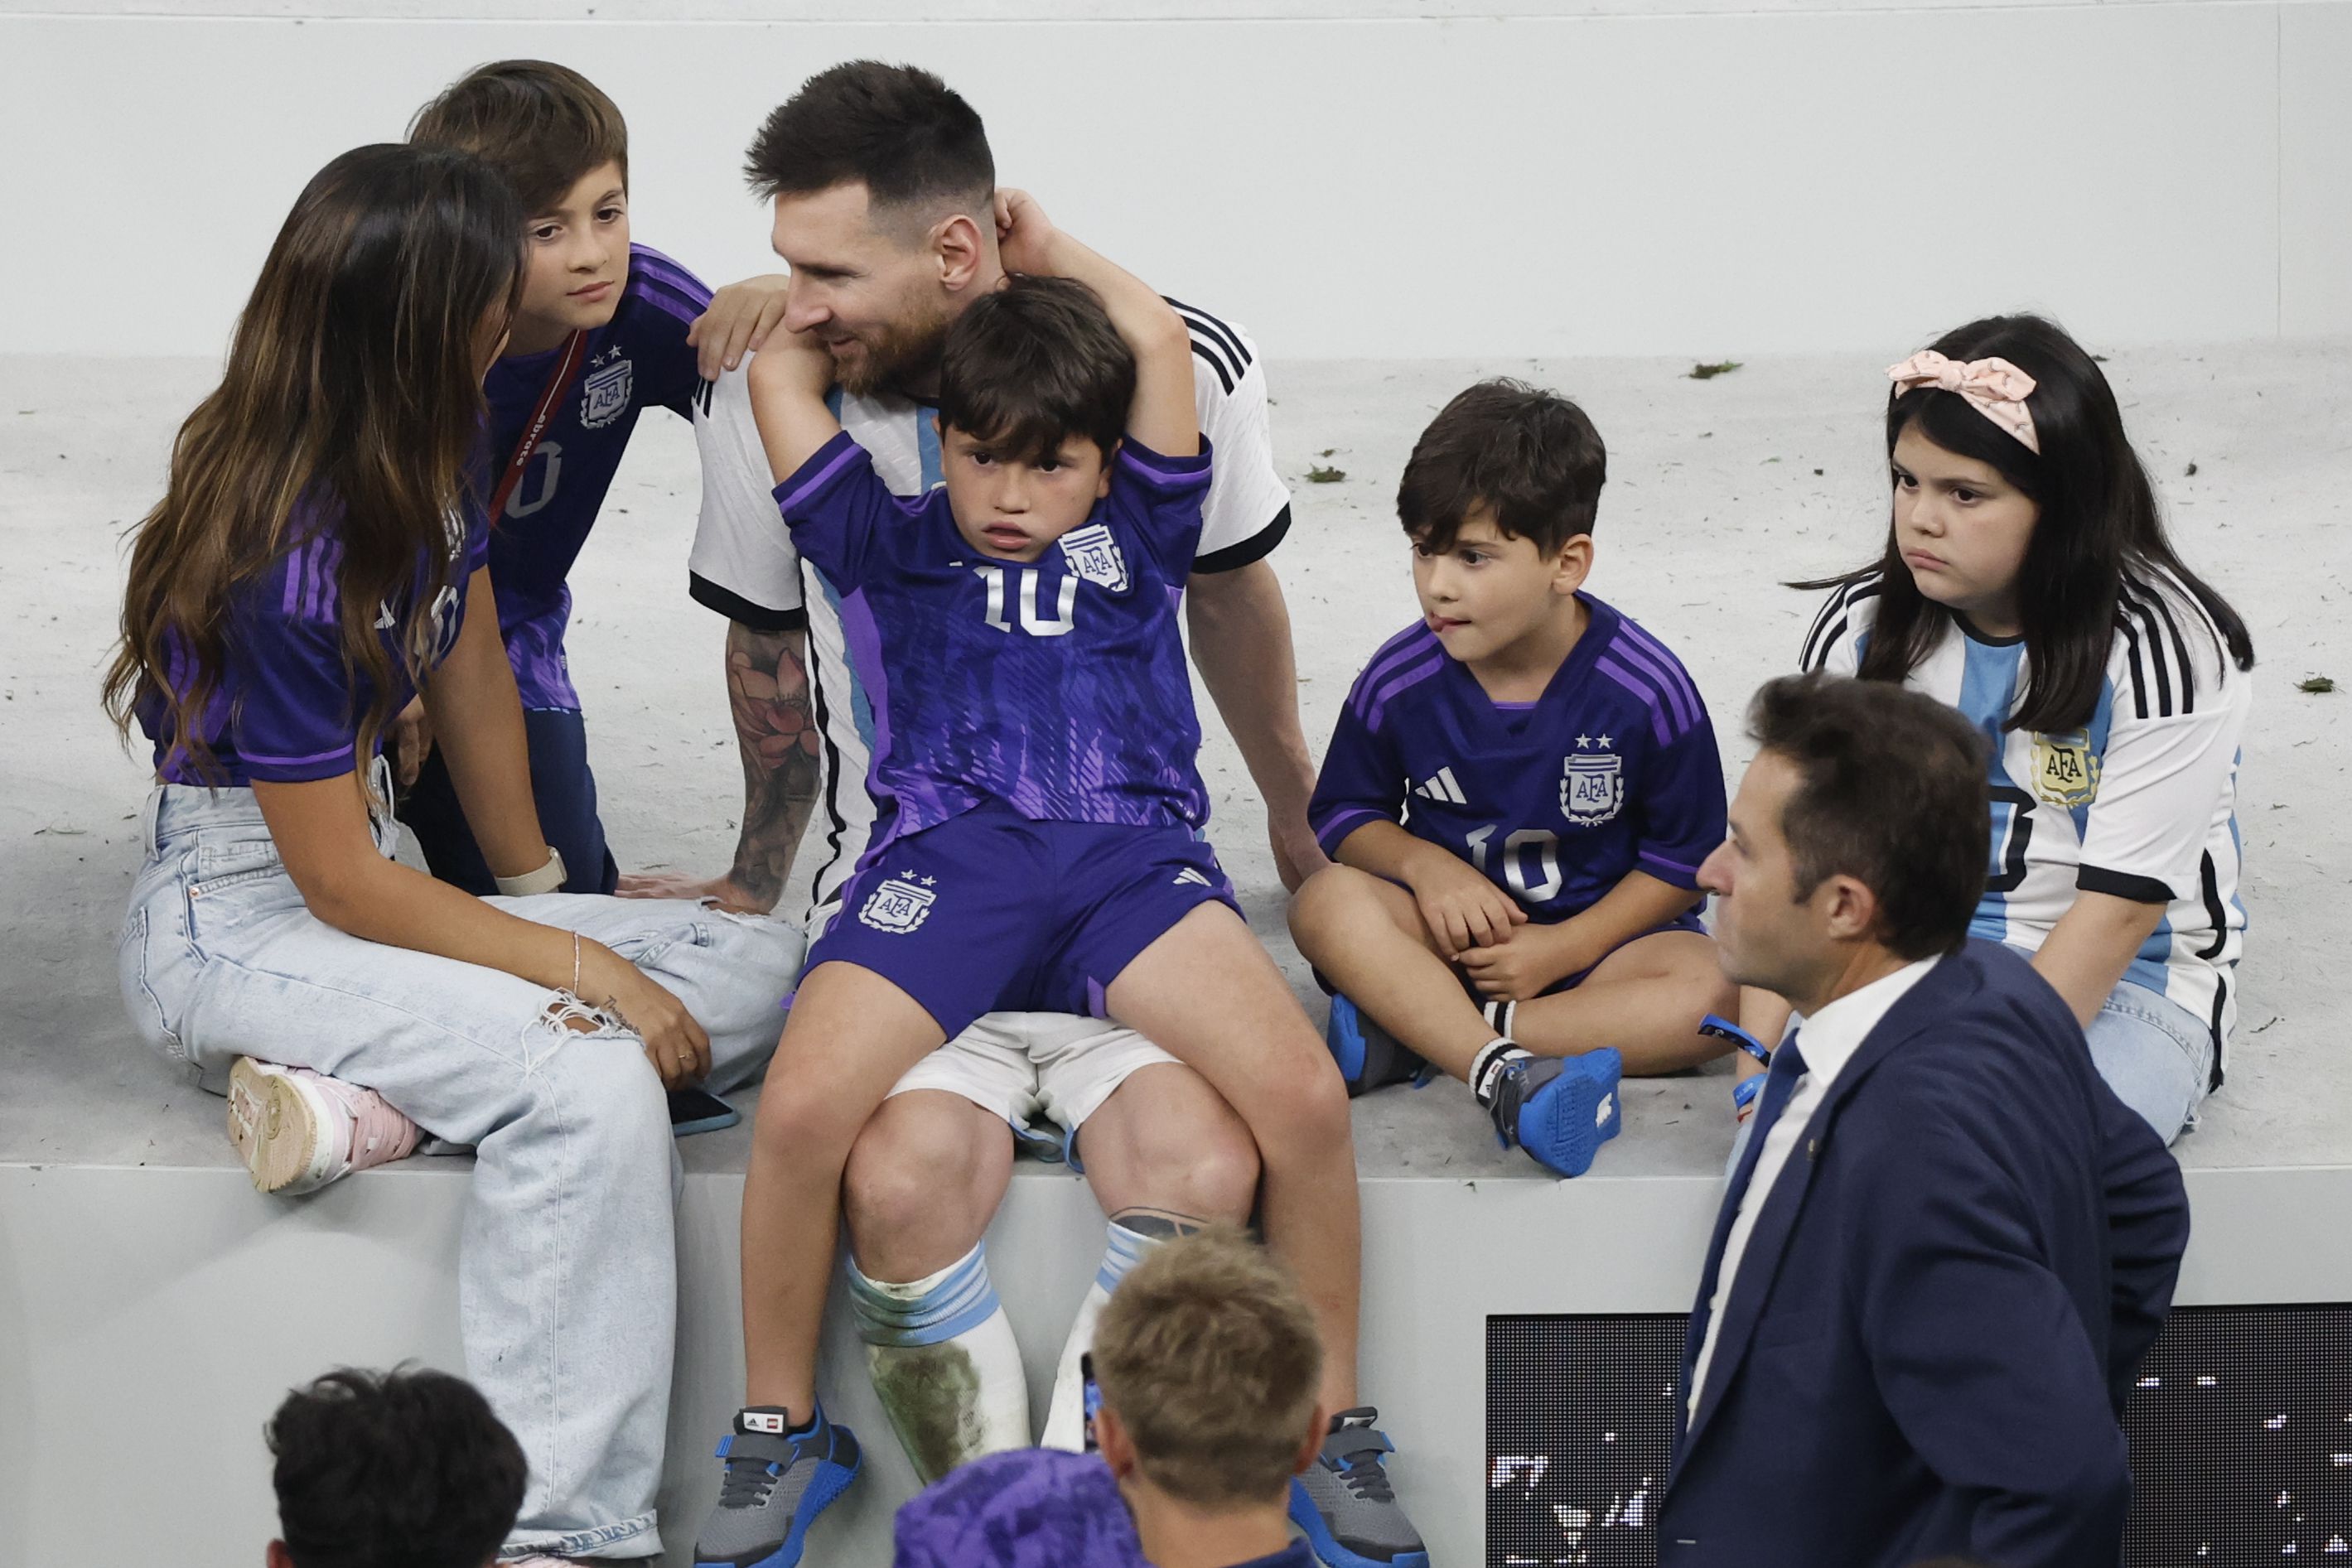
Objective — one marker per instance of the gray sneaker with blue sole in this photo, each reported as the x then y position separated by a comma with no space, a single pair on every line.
776,1483
1345,1506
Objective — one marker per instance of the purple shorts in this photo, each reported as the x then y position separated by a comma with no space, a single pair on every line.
990,912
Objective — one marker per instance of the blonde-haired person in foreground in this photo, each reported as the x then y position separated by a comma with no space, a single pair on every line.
1208,1365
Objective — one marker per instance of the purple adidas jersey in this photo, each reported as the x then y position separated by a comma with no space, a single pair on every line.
1029,1508
283,710
638,359
1057,687
1614,769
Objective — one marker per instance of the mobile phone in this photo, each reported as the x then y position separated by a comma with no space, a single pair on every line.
695,1111
1091,1399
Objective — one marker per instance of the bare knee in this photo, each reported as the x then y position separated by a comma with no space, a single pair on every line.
1190,1154
1323,904
923,1180
1306,1116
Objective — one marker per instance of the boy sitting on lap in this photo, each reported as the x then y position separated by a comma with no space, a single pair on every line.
1036,843
1518,795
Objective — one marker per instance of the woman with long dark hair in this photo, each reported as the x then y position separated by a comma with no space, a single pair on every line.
308,568
2027,580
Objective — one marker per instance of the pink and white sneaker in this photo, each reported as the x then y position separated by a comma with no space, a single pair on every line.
298,1130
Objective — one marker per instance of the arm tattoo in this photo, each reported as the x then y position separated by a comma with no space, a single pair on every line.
767,686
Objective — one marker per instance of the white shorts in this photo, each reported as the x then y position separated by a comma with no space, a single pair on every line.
1023,1066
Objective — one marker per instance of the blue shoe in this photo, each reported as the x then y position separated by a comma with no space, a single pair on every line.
776,1484
1345,1506
1560,1110
1368,1056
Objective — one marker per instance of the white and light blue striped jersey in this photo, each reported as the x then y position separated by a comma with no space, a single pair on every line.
2140,803
743,564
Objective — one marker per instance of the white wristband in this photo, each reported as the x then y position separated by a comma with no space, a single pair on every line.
546,879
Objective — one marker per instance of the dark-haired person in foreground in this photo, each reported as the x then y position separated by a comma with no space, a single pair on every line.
396,1470
1946,1244
884,200
1519,794
1207,1365
2028,582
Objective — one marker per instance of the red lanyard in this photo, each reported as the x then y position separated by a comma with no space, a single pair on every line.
557,380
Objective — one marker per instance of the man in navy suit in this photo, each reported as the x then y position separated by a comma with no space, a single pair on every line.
1946,1244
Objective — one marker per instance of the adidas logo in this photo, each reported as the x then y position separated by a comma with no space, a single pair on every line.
1190,874
1440,786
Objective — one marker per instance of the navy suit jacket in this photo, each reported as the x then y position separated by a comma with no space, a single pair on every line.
1941,1305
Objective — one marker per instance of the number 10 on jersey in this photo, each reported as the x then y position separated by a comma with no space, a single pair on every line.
1544,883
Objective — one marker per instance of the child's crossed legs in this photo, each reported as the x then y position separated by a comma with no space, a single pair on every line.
1366,937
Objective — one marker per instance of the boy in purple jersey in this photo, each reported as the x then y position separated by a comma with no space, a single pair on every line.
1518,795
602,335
1034,772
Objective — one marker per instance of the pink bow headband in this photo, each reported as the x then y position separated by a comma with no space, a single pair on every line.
1994,388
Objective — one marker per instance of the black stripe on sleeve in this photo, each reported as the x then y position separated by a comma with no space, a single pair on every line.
2158,659
837,825
737,607
2122,885
1256,548
1224,376
2221,1001
1822,618
702,396
2210,885
2157,602
2131,648
1196,317
1817,652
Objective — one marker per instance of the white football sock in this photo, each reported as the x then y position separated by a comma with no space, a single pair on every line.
1065,1420
944,1364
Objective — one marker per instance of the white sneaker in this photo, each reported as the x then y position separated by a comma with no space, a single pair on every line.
298,1130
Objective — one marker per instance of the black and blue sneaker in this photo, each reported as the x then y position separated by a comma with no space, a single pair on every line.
778,1479
1368,1056
1344,1504
1560,1110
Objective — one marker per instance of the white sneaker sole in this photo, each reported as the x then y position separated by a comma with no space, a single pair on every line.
276,1130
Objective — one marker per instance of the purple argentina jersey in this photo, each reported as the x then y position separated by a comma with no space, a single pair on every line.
1614,769
638,359
1029,1508
284,711
1057,687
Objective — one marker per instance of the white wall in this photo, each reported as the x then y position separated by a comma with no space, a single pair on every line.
1376,178
117,1285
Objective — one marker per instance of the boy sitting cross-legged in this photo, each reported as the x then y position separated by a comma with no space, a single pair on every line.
1034,846
1518,795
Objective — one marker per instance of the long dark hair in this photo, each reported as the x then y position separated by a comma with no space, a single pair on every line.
354,383
2099,535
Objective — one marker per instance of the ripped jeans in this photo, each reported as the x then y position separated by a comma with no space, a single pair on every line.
567,1269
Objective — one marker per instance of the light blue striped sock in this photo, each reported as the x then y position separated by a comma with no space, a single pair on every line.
945,1365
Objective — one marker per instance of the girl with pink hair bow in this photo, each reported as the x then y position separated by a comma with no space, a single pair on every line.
2027,579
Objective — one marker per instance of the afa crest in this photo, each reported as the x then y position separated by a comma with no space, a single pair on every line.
1591,787
899,905
1094,554
2066,769
605,395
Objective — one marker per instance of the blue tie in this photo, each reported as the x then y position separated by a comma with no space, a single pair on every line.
1780,1083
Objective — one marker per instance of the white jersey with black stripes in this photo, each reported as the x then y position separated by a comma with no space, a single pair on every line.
2140,802
743,564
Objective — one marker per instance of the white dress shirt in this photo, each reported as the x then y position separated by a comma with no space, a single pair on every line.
1831,1038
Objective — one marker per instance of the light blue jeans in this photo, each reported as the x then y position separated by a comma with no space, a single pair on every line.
2156,1054
567,1268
